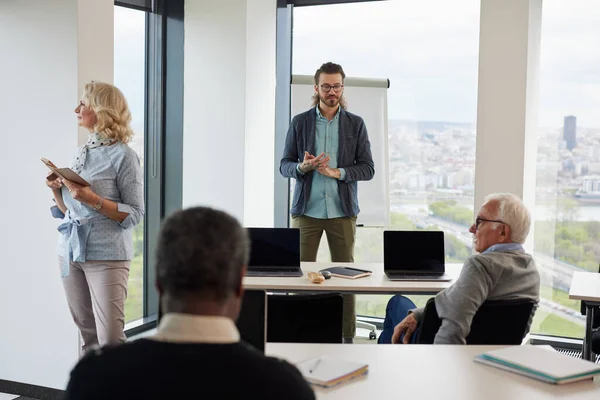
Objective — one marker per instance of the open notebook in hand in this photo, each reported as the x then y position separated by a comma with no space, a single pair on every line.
327,371
541,364
65,173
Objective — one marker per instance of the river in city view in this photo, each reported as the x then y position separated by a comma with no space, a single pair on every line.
541,212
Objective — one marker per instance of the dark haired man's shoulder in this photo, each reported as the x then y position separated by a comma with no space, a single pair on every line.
354,118
290,382
88,378
281,379
303,115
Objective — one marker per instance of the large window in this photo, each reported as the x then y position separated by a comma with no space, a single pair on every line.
567,217
130,64
429,52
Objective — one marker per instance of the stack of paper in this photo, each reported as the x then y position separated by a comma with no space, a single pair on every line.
540,364
328,372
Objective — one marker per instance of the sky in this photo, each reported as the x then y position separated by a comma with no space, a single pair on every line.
129,62
429,51
427,48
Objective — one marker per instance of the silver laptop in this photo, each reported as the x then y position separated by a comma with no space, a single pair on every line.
414,256
274,252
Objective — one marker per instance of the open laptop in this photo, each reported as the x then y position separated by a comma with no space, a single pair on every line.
252,321
274,252
414,256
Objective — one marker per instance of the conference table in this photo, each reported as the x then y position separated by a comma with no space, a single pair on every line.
585,286
376,283
429,372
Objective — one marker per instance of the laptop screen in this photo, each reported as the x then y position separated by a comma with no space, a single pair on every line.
274,247
413,251
252,321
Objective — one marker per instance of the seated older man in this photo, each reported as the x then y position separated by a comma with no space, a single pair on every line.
502,270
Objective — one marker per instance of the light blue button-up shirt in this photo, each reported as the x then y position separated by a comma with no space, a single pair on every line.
115,174
324,201
504,247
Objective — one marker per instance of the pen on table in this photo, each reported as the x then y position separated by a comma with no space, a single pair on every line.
315,366
356,269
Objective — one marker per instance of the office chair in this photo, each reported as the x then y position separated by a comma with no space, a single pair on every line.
595,325
496,322
313,318
370,327
251,322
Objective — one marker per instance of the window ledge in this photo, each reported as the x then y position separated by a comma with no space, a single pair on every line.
140,326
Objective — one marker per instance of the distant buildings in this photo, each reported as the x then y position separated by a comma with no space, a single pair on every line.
590,188
570,131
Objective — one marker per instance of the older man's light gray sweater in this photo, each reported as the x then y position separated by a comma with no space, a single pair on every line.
490,276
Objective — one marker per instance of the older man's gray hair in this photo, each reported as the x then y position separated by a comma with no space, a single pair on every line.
513,213
201,252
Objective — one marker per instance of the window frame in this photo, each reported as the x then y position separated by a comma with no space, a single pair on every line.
163,142
488,24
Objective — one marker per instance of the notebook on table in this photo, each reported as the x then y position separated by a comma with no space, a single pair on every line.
540,364
274,252
348,272
328,371
414,256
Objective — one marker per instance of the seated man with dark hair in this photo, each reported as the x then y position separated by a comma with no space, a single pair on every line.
196,353
501,271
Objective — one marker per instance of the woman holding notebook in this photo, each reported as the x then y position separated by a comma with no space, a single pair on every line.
96,246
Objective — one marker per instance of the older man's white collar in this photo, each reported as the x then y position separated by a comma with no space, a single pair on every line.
504,247
188,328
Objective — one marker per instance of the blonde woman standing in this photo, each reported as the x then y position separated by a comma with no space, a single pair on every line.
96,246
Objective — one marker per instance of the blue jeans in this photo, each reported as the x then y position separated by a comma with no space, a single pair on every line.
396,310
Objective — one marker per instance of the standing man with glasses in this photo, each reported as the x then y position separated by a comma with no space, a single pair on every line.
501,271
327,151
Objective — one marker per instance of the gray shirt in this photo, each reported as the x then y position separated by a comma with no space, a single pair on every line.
496,275
115,174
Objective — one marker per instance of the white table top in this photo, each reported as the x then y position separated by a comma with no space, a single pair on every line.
376,283
585,286
429,372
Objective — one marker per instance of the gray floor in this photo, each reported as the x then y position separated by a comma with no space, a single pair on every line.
6,396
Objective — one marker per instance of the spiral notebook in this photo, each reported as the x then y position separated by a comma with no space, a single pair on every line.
540,364
329,371
348,272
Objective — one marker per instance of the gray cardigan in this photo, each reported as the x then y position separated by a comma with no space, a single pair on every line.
491,276
354,155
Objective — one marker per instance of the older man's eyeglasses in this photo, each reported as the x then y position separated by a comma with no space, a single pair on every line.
478,222
336,88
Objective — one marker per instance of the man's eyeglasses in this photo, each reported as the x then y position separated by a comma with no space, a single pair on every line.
327,88
478,222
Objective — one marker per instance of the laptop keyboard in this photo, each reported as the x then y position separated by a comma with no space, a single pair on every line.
273,269
416,274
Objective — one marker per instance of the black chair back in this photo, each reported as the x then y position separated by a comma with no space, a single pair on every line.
596,321
313,318
496,322
251,322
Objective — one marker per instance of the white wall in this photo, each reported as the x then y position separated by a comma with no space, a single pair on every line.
259,180
40,74
95,45
229,107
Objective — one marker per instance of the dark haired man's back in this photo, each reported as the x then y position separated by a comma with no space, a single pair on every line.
170,366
